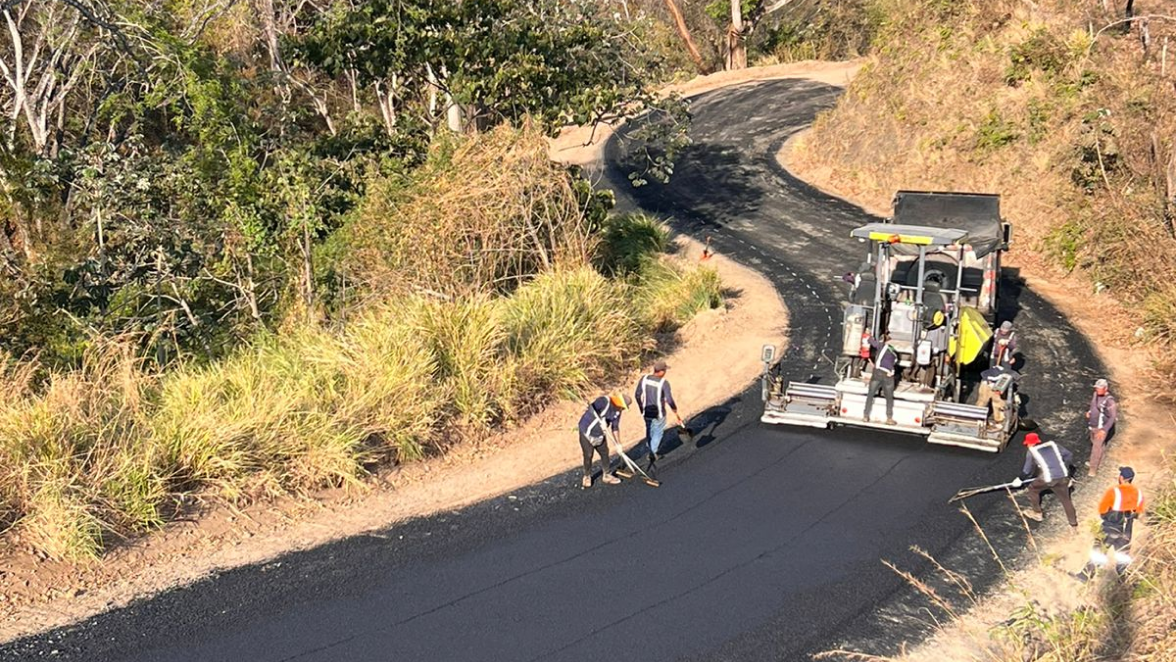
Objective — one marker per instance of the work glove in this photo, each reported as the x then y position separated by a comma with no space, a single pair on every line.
1017,482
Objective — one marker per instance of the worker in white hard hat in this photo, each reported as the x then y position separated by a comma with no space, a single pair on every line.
1100,420
1004,345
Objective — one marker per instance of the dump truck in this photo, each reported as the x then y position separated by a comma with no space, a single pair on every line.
930,279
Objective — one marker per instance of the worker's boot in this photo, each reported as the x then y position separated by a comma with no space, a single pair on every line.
609,479
586,482
1034,515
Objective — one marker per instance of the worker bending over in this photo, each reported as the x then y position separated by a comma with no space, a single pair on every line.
602,413
1048,465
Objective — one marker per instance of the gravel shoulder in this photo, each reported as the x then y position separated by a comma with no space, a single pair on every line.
714,357
1142,441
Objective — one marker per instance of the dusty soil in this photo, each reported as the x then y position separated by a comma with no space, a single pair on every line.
716,356
1141,443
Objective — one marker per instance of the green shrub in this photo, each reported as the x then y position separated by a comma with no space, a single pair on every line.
995,132
670,295
627,240
567,330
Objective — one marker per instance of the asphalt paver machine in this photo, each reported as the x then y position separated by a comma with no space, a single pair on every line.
913,286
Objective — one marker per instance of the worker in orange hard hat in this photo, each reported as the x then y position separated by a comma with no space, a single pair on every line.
602,414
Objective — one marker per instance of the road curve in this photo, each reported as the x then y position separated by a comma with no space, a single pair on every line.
763,543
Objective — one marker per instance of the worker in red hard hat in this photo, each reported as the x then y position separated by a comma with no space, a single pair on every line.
1048,466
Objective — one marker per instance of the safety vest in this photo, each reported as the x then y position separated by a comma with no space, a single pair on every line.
651,396
1052,466
887,349
1125,498
599,422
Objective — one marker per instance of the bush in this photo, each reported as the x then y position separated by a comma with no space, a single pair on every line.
567,330
627,240
483,214
670,295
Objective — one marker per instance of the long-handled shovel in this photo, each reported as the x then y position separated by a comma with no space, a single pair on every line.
973,491
633,468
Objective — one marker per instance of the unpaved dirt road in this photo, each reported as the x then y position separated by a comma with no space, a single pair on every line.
763,543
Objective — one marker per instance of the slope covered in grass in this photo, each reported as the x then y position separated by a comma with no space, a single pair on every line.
1071,121
439,337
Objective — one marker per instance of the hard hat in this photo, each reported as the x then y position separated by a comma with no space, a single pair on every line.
619,401
1032,439
1102,383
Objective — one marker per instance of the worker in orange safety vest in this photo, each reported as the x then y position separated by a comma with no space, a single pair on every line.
1119,508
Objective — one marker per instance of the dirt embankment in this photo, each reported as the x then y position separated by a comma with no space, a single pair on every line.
1143,441
716,356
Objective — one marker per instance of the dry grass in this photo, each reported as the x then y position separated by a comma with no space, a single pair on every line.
1017,98
1076,133
482,215
102,451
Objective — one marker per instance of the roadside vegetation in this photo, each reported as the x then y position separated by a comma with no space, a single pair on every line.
104,449
262,248
1065,108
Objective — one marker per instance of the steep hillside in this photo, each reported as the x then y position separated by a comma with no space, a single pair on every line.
1063,106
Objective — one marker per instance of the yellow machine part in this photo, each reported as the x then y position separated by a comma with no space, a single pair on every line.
974,333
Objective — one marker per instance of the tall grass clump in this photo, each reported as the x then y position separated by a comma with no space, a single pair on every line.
306,410
483,214
627,241
473,370
491,287
567,330
75,457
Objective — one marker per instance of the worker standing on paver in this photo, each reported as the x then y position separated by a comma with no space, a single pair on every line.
993,388
1048,465
882,376
603,412
654,397
1100,418
1004,345
1119,508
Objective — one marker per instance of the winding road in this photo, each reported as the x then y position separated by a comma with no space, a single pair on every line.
765,543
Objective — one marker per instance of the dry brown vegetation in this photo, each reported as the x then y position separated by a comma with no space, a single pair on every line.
492,285
1074,125
1068,111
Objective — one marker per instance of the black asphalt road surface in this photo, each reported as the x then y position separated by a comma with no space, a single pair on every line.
764,543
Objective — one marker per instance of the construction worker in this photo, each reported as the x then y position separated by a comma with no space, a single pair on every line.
993,389
882,377
654,397
1119,508
1004,345
603,412
1048,465
1100,418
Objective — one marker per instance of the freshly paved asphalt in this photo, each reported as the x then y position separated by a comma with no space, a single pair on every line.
763,543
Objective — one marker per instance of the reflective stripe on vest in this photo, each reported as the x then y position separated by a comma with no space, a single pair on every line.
1047,475
655,386
599,420
1119,500
882,354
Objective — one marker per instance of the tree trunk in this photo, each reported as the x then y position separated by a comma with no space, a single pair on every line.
736,49
684,32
